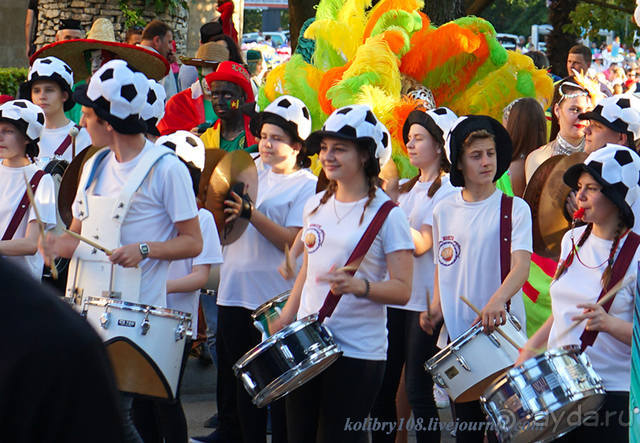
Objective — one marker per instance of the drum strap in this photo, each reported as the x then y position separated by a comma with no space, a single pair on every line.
361,249
618,271
23,206
506,206
65,144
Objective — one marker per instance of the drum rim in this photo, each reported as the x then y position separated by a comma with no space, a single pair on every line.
463,339
266,305
262,398
124,305
271,340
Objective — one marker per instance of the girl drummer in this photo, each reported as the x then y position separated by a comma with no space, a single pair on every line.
249,275
466,237
352,145
423,134
607,186
21,124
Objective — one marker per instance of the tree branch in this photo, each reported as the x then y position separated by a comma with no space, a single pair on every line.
604,4
475,7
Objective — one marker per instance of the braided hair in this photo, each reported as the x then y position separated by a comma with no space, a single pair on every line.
445,167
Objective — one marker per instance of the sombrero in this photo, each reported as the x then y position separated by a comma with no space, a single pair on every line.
101,37
208,54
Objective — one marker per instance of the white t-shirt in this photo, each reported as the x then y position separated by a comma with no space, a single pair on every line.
51,139
164,198
419,209
636,216
466,235
249,274
358,324
211,254
610,358
13,188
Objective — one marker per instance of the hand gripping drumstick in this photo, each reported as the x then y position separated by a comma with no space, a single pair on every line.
32,200
498,328
613,291
89,242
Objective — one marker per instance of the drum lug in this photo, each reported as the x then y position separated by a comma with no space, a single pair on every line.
494,340
286,352
180,330
440,381
461,360
249,384
515,322
145,325
105,318
312,349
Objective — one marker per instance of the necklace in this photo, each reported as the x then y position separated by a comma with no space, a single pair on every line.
563,147
610,259
335,210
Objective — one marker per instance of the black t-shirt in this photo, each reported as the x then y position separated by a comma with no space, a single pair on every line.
56,383
33,5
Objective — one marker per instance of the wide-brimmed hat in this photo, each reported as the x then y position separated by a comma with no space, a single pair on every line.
208,54
617,169
101,37
118,95
233,72
459,133
620,113
356,123
287,112
54,69
437,121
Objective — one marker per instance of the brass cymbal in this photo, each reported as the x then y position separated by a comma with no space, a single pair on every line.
236,170
69,183
547,195
211,158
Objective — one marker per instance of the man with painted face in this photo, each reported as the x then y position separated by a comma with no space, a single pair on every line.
230,87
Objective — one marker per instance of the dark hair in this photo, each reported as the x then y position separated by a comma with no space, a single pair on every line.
540,60
155,28
195,174
583,51
234,51
136,30
557,96
527,126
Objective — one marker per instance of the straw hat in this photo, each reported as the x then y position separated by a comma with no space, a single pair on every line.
102,37
208,54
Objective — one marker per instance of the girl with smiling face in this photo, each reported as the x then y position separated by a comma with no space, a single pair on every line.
20,127
409,344
605,193
249,275
352,146
567,130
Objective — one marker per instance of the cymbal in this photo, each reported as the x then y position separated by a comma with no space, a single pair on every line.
69,183
211,158
547,194
236,170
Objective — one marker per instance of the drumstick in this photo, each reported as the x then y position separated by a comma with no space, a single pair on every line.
613,291
32,200
347,268
73,133
89,242
500,331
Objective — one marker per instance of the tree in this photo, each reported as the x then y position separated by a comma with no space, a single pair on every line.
516,16
442,11
590,16
560,41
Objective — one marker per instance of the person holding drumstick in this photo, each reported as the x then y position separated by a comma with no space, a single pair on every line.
467,236
249,275
21,124
592,261
409,344
352,146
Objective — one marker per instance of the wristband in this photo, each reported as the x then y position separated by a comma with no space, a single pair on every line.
367,288
247,207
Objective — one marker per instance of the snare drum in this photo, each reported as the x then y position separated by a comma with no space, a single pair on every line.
287,360
145,343
268,312
545,397
474,360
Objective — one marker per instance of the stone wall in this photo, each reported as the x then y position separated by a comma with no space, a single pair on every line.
52,11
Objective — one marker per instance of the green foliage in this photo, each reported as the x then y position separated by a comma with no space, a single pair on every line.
132,17
252,20
587,19
161,6
10,79
516,16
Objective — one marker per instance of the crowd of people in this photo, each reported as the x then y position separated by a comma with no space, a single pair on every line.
146,127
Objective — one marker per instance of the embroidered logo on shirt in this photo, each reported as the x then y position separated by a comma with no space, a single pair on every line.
448,251
313,238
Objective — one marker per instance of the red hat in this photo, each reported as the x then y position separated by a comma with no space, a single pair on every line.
235,73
